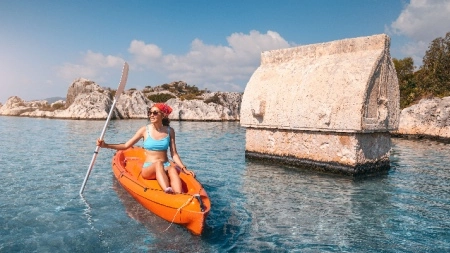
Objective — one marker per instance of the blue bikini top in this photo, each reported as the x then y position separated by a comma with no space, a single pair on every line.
157,145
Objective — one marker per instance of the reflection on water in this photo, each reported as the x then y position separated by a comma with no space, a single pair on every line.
309,211
304,206
256,207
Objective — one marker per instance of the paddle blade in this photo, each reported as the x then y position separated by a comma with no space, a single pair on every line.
123,80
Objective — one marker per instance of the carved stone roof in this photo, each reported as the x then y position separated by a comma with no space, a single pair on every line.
341,86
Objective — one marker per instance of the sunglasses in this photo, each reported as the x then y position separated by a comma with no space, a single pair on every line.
150,112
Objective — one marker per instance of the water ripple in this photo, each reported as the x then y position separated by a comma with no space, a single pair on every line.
256,207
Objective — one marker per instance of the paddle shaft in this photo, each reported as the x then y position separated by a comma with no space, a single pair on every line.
120,89
97,148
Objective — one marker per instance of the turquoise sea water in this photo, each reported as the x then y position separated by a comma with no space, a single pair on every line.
256,207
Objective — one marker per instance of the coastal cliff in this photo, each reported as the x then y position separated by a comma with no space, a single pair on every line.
87,100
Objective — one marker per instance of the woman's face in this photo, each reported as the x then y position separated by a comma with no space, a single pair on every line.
154,114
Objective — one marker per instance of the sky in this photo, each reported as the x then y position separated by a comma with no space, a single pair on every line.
216,45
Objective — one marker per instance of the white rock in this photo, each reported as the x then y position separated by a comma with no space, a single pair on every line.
87,100
430,117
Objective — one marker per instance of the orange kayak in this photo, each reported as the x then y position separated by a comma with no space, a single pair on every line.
188,209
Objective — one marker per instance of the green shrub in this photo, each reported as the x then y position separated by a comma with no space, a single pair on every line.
58,106
189,96
432,79
160,97
214,99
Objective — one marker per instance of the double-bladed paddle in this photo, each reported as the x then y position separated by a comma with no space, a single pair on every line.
119,91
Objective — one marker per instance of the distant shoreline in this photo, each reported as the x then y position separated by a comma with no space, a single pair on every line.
102,119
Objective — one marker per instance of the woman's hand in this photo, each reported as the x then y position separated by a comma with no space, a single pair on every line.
189,172
100,143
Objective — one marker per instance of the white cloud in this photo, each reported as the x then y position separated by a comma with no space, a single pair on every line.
422,21
92,67
225,68
215,67
70,71
98,59
144,54
416,50
255,42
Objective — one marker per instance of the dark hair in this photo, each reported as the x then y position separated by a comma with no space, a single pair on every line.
165,121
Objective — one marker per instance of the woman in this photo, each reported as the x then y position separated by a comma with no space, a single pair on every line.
158,137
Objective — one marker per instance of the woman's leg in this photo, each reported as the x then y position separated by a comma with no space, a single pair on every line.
156,170
175,181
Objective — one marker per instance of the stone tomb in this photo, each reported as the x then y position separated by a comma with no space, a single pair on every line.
329,106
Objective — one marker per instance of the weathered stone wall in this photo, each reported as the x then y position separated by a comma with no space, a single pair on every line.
317,93
347,153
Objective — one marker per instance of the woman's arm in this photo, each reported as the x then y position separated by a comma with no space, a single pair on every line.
175,157
139,134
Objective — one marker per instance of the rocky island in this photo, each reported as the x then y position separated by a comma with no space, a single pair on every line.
87,100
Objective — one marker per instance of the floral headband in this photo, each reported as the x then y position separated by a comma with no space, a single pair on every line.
163,108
